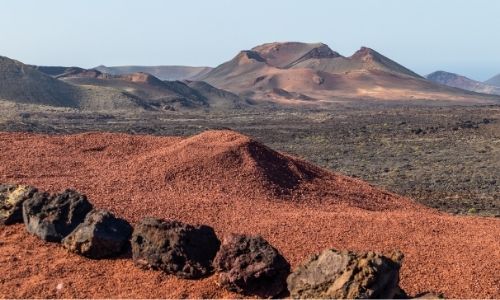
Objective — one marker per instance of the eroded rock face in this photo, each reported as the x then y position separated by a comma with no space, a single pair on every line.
12,197
335,274
176,248
251,266
101,235
53,217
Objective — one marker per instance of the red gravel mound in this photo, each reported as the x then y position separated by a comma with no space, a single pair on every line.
234,184
228,161
231,164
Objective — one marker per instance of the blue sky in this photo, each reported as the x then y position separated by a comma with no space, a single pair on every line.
426,35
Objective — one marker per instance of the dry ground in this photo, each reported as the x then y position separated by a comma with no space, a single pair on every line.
444,157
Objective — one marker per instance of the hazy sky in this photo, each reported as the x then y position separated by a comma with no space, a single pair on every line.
425,35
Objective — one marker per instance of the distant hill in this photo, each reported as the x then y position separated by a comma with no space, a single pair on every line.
161,72
217,98
155,93
20,83
293,72
462,82
24,84
52,71
290,73
495,80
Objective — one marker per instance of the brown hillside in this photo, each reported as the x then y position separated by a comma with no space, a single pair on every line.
314,71
285,55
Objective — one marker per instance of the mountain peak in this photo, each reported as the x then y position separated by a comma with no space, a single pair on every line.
372,59
249,55
495,80
365,53
441,74
286,54
76,72
462,82
141,77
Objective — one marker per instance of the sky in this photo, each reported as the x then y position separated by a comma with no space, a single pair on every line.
425,35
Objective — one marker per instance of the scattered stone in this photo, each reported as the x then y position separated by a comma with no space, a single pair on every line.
418,131
176,248
12,197
251,266
53,217
101,235
335,274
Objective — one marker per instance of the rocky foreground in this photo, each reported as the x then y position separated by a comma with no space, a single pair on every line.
233,185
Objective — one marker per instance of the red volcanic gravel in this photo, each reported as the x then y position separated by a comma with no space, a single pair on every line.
234,184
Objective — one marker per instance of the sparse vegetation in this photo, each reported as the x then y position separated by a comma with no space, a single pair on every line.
450,167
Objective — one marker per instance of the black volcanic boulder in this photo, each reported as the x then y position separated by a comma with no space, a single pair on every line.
53,217
251,266
176,248
341,275
101,235
12,197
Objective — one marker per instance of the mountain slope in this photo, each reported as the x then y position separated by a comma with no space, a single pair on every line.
20,83
364,59
217,98
285,55
24,84
51,70
155,93
495,80
161,72
462,82
295,73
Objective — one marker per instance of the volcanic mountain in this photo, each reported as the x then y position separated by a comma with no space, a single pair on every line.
155,93
23,84
161,72
20,83
315,72
495,80
462,82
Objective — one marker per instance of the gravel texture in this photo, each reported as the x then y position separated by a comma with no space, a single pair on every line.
234,184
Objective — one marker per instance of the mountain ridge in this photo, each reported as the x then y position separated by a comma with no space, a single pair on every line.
162,72
274,72
495,80
462,82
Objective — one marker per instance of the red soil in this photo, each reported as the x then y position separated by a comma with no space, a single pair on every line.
234,184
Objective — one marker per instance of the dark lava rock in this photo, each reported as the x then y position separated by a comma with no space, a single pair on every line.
250,265
12,197
341,275
53,217
176,248
100,235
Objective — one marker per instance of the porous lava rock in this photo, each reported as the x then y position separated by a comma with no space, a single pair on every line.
250,265
176,248
53,216
12,197
345,274
101,235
